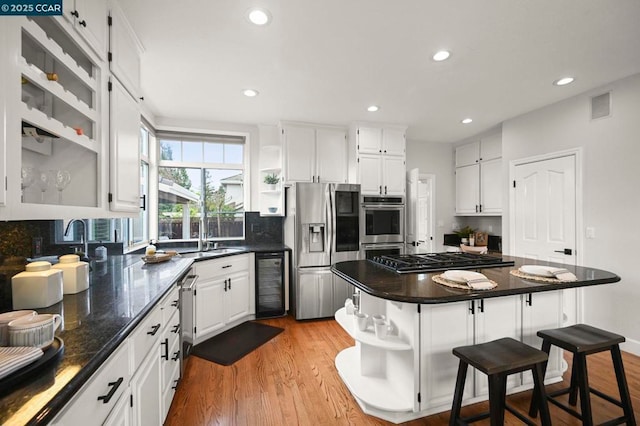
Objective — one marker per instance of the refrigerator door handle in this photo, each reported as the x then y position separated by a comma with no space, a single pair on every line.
329,219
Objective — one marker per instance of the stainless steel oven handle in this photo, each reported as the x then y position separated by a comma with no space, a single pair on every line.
189,282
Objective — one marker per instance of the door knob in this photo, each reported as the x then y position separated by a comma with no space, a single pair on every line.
568,252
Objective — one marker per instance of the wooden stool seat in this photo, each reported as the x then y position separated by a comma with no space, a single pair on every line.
582,340
498,359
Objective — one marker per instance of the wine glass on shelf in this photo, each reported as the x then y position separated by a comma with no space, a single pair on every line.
61,179
43,182
28,176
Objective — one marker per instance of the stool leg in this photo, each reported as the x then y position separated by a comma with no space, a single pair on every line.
625,399
497,394
583,384
533,407
457,396
540,393
573,387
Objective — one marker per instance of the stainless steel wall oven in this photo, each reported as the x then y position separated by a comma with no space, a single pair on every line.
382,219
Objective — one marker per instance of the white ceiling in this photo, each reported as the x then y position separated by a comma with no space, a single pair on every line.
325,61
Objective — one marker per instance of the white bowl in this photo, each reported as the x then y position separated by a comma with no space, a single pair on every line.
34,330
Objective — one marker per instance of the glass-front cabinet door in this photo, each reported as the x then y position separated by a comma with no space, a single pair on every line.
55,114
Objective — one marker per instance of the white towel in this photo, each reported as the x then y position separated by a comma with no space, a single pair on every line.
474,280
548,271
14,358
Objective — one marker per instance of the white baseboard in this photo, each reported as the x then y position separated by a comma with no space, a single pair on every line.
631,346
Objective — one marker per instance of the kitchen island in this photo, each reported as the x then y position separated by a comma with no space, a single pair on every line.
411,373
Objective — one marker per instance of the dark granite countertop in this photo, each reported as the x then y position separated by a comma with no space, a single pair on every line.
420,288
122,291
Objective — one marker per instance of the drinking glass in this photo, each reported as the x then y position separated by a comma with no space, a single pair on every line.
61,178
28,176
43,182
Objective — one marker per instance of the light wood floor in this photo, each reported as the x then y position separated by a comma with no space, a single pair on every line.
292,380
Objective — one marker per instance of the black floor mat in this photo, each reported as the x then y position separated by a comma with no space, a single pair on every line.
228,347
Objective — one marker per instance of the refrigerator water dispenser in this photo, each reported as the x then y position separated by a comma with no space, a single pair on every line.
316,237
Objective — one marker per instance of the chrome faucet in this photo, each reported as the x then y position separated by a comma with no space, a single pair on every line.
85,240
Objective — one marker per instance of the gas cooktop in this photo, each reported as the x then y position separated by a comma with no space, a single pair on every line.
431,262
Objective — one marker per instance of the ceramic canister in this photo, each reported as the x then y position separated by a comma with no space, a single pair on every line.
75,274
37,287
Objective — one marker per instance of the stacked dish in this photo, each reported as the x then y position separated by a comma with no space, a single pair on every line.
548,273
465,280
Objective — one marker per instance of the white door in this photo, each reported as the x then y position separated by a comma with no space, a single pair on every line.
419,212
545,216
545,210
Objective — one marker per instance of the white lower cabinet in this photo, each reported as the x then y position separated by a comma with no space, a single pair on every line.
99,395
412,373
136,385
222,297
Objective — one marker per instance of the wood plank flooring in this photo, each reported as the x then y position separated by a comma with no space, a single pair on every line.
292,380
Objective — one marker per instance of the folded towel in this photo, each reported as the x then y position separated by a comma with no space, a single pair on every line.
14,358
561,274
475,280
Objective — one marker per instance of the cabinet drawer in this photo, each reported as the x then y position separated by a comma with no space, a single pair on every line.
169,306
169,391
222,267
145,337
168,365
100,394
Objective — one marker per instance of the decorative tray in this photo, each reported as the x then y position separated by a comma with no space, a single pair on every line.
52,352
158,257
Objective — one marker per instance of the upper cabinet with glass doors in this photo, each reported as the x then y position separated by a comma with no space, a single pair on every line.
56,110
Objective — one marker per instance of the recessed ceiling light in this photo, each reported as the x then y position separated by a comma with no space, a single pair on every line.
250,93
564,81
466,121
373,108
259,16
441,55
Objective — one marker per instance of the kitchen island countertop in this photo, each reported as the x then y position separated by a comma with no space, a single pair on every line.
381,282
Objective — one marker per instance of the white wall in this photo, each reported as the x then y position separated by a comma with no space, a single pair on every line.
611,200
437,159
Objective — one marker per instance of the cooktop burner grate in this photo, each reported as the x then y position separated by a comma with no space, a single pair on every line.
431,262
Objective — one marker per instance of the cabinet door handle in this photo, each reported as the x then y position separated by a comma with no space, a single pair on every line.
472,308
529,299
385,190
380,189
175,303
114,387
480,208
481,305
175,384
154,330
75,14
143,207
83,23
176,356
227,266
176,328
225,285
166,349
229,283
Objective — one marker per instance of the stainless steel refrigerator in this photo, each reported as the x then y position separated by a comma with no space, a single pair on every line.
321,227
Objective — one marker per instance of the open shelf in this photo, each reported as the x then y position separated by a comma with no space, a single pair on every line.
368,337
376,392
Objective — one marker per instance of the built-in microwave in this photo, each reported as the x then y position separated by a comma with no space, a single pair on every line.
382,219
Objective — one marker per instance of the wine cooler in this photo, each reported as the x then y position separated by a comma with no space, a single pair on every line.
270,285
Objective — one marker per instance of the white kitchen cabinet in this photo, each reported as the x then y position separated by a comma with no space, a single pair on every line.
89,19
542,311
377,159
169,349
121,414
314,153
124,190
222,297
55,116
479,177
100,394
125,50
145,391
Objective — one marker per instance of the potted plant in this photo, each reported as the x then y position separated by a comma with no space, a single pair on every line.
271,180
464,234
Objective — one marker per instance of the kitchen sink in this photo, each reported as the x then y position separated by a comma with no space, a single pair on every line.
213,252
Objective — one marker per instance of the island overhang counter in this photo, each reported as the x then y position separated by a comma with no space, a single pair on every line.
411,373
